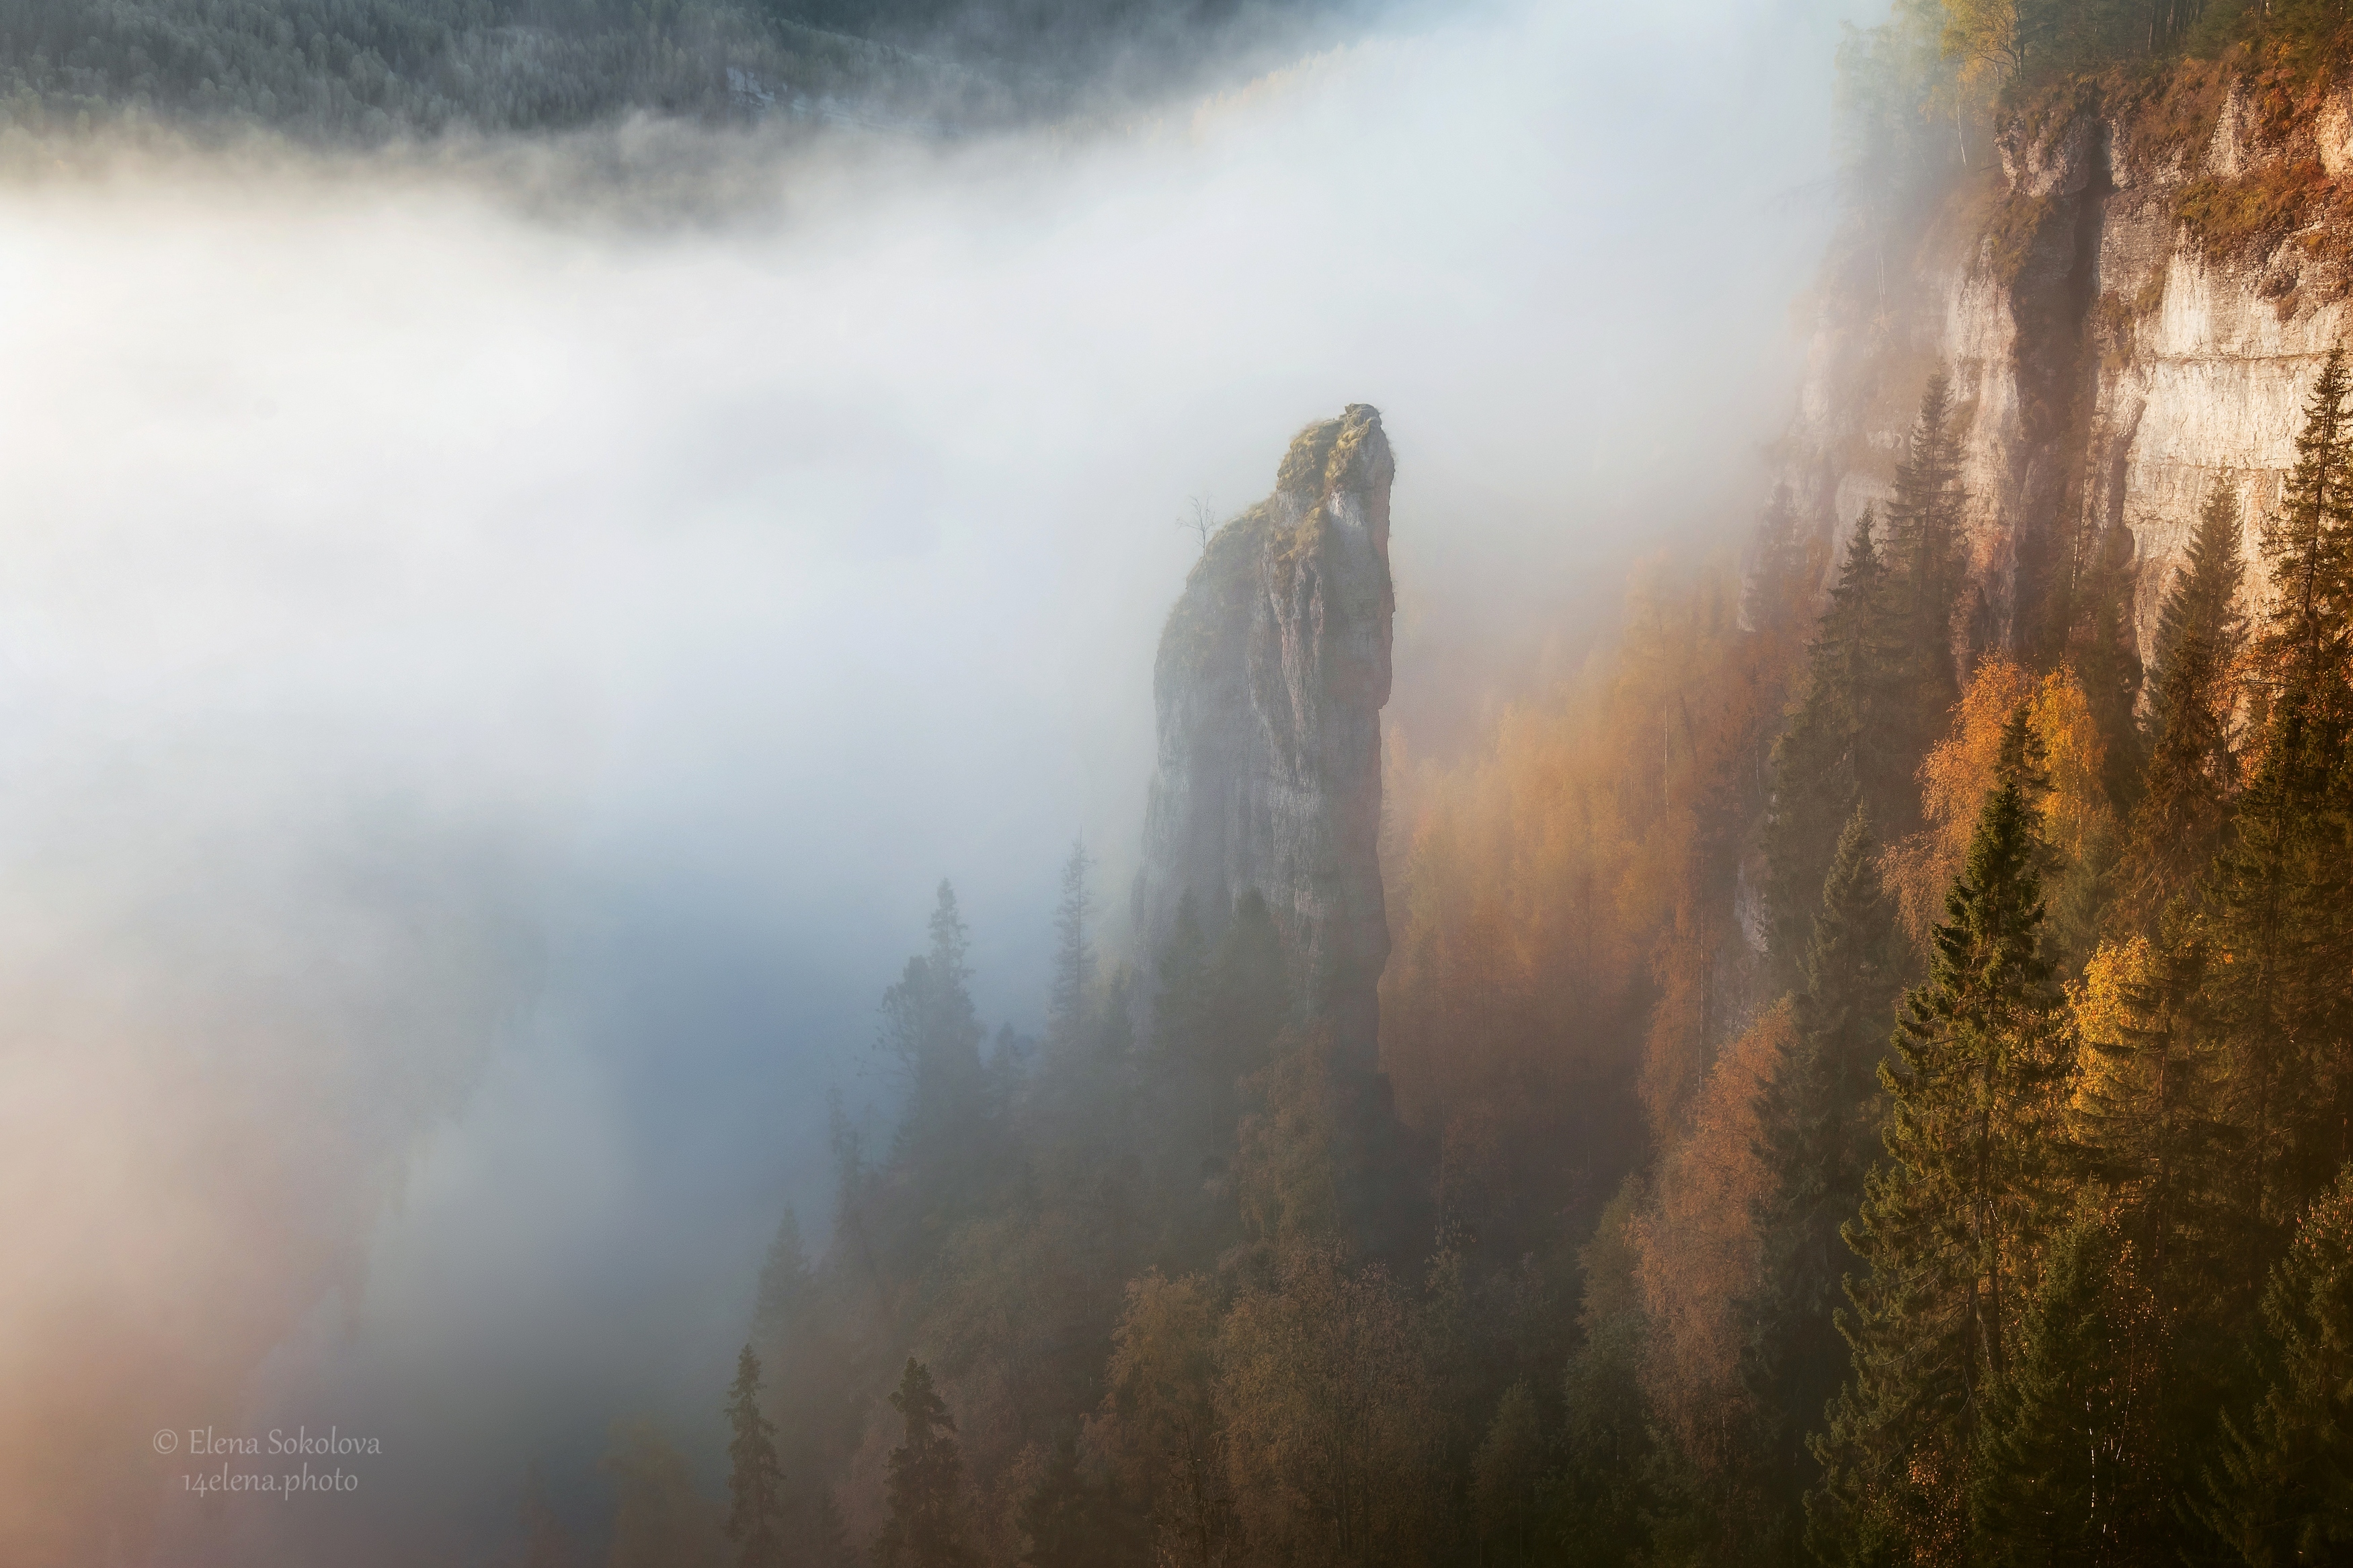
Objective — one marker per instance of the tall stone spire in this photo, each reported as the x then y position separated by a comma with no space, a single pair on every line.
1271,675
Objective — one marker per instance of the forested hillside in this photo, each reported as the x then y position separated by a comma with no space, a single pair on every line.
362,71
1874,1074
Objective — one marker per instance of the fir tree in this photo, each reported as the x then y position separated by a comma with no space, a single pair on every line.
1950,1220
755,1514
2192,766
1819,1124
925,1525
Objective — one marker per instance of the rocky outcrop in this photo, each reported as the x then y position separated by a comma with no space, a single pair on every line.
1271,675
2132,308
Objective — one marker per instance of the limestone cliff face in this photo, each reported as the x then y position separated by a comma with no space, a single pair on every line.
2115,348
1271,675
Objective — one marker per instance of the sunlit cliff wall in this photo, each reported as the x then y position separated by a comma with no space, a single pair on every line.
2132,305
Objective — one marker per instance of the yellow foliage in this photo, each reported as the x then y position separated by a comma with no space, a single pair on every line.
1562,900
2101,1007
1697,1249
1330,1411
1959,774
1983,34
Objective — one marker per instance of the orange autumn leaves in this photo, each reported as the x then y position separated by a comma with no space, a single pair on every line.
2078,826
1567,904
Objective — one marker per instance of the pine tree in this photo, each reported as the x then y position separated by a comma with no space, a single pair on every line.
2192,765
1074,959
1950,1220
925,1526
1819,1121
755,1514
2285,1493
1836,755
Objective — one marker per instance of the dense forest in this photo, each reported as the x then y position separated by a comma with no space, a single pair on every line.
1855,1089
365,71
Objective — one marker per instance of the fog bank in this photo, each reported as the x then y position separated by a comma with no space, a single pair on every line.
486,695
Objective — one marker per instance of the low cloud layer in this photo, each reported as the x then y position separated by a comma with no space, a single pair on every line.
485,696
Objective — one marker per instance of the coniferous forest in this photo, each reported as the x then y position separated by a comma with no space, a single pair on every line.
1865,1091
1842,1056
2008,1221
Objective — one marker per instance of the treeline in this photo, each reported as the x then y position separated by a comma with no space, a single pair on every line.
367,71
2056,1270
1922,94
1870,1086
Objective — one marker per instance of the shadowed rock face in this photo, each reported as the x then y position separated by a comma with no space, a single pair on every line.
1271,675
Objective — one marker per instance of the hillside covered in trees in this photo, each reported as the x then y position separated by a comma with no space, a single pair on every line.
1866,1077
365,71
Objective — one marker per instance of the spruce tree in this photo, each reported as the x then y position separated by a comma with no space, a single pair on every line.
1817,1123
2281,900
2308,547
929,1026
1837,753
1926,566
2284,1491
756,1513
925,1526
2071,1471
2150,1113
786,1280
1950,1220
1070,1522
2106,651
2193,771
1074,959
1781,575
